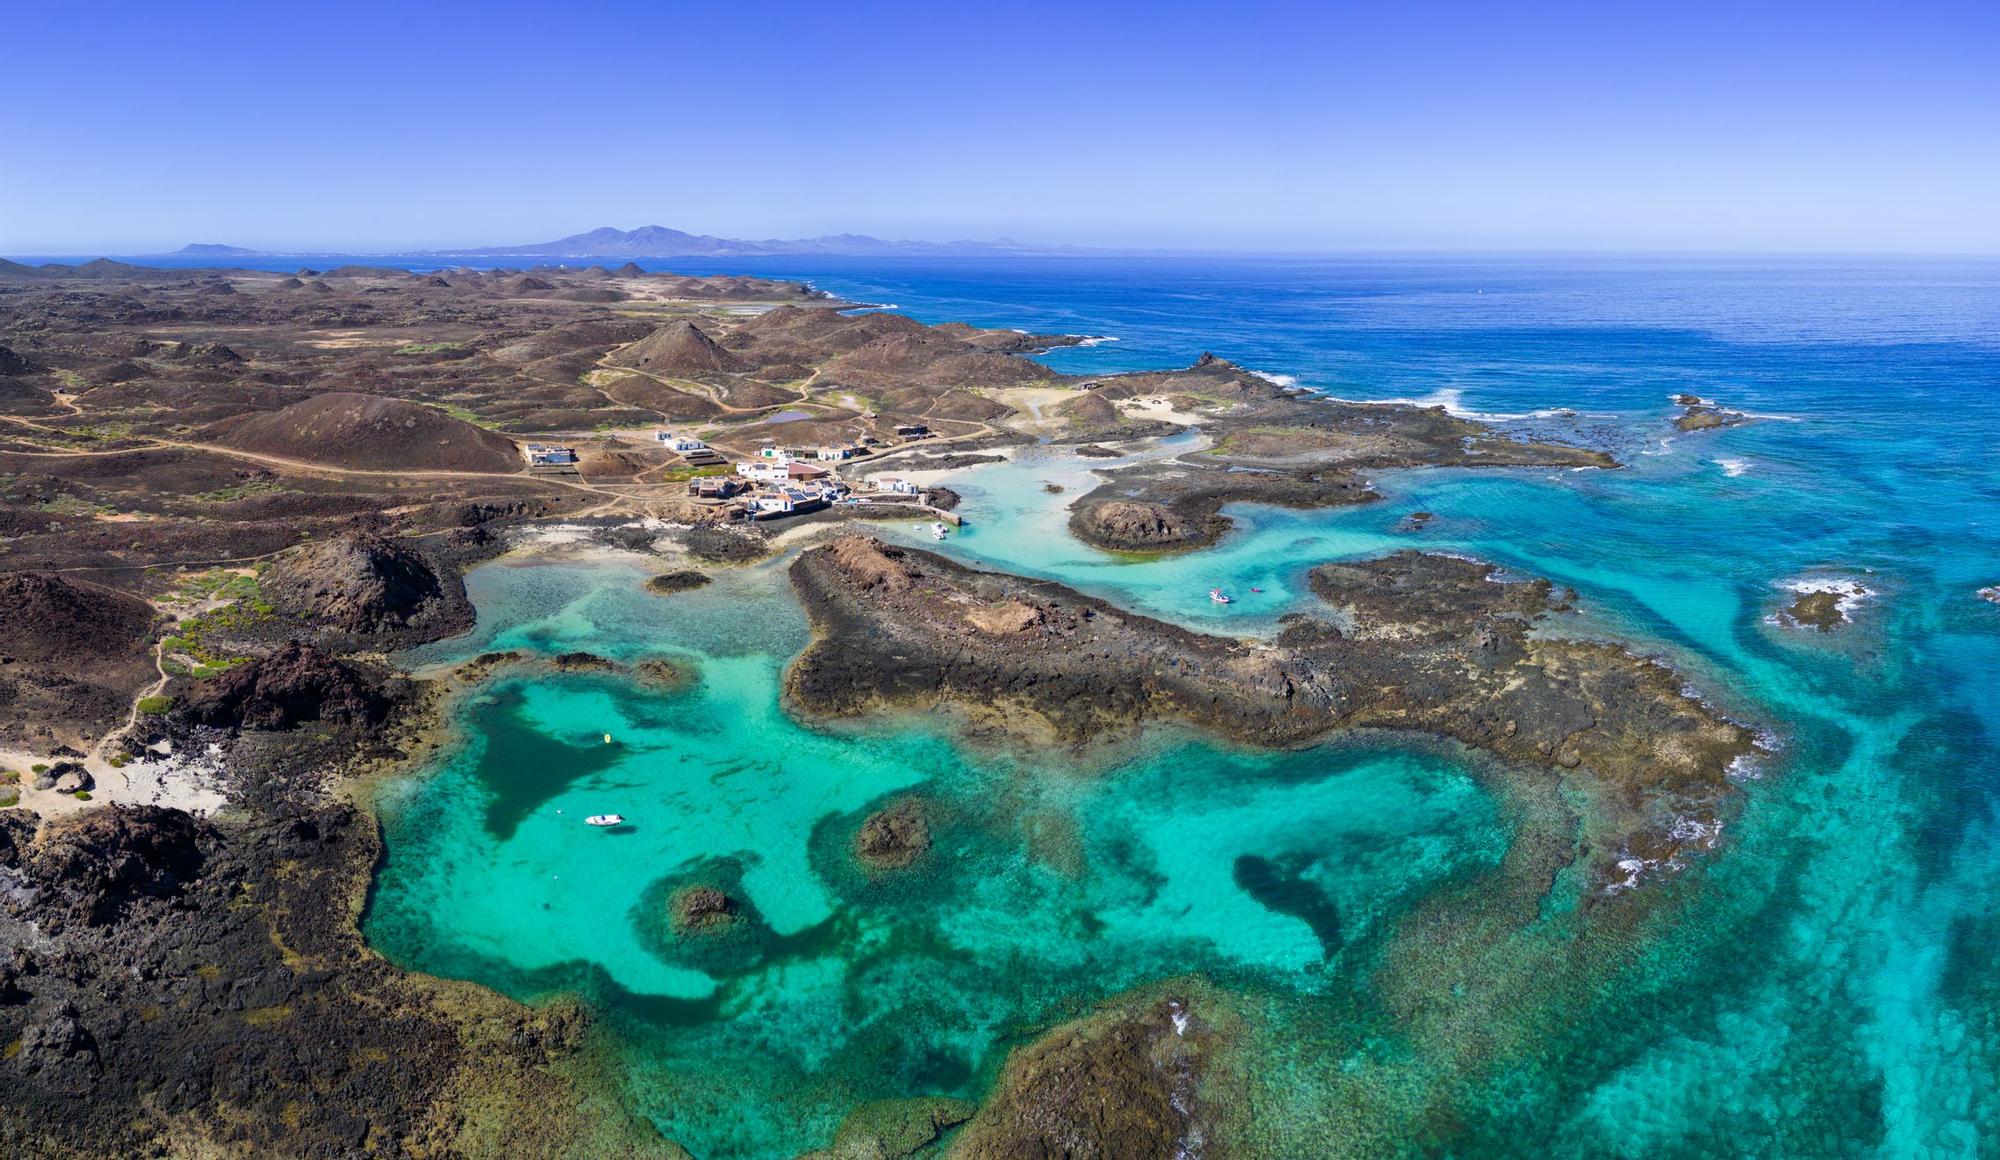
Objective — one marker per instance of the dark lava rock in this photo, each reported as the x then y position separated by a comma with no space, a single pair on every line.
1132,525
943,499
300,682
1701,416
724,545
13,364
681,581
1817,610
696,910
96,866
1094,451
369,589
583,662
893,838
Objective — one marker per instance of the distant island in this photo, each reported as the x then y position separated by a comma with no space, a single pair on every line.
662,242
213,250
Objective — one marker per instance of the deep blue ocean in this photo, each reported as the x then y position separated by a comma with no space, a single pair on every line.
1826,981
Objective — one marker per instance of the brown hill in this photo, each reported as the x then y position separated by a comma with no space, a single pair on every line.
679,347
370,433
75,654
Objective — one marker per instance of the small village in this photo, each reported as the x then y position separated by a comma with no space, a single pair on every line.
776,480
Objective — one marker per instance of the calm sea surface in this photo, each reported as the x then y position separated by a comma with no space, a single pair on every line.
1823,983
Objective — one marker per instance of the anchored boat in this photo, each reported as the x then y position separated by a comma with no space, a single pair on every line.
1219,596
605,820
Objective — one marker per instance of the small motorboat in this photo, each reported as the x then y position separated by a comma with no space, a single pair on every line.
1256,590
939,531
1219,596
605,820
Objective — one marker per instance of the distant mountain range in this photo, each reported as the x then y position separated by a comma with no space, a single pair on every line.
661,242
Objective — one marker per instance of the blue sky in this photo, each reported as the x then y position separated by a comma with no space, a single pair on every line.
1259,126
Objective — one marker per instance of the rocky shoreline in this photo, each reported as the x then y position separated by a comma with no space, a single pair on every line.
1277,445
1410,642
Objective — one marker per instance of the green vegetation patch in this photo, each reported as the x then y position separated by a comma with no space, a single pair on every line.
236,492
156,705
428,347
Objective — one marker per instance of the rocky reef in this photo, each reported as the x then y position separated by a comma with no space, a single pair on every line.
1410,642
1698,414
893,838
1140,1078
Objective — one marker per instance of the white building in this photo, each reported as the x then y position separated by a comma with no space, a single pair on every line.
674,442
896,484
766,471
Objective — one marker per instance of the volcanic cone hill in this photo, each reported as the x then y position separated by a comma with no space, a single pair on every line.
679,347
72,654
368,588
370,433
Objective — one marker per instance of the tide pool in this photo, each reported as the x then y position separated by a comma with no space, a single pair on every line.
1420,973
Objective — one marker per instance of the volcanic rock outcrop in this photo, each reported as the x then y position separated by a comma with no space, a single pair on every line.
298,683
370,590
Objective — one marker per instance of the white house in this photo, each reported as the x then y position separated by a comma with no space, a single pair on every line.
777,453
675,442
765,471
896,484
549,455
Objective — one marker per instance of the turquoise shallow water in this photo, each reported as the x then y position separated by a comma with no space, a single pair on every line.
1821,984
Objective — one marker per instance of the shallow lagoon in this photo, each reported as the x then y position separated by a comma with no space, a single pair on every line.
1821,984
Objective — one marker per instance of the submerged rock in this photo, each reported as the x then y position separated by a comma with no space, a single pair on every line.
893,838
697,910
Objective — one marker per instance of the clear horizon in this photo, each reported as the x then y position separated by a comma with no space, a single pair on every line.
1835,130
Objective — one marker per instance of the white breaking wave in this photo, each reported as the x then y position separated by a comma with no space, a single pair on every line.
1094,339
1733,467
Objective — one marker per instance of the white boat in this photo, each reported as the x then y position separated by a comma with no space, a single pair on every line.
605,820
1218,595
938,531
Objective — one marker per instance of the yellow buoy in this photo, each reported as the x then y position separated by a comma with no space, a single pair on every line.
607,738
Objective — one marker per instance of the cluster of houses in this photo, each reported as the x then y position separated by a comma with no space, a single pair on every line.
779,481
